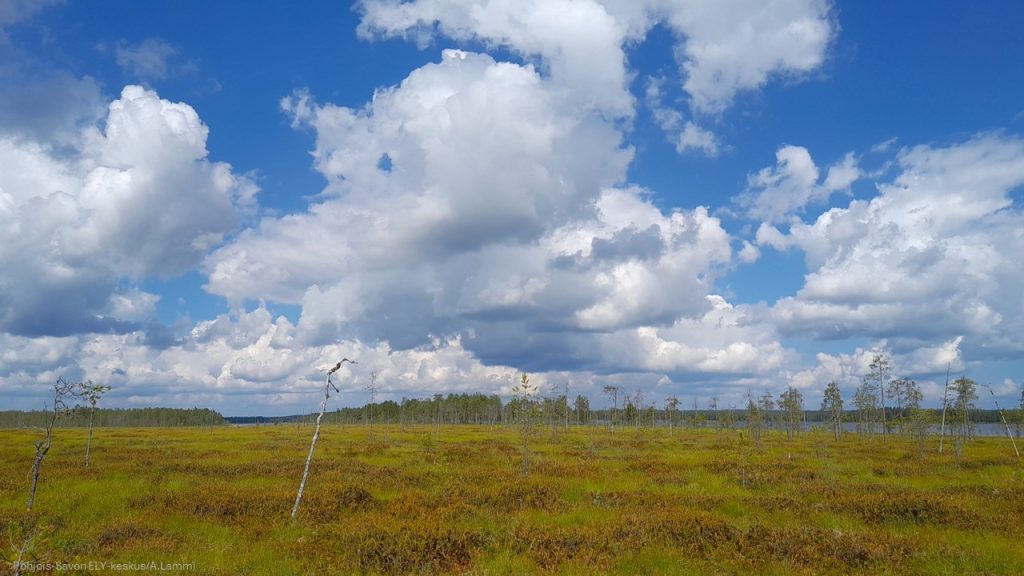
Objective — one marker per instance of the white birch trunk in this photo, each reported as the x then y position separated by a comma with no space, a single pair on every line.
312,447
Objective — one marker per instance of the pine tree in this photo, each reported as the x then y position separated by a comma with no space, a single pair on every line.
832,404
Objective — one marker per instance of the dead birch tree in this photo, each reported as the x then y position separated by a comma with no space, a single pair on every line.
62,391
328,384
945,404
1003,418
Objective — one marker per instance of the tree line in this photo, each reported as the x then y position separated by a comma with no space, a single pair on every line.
114,417
786,412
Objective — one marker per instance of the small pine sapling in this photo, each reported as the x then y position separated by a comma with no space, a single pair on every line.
671,405
368,414
754,421
613,393
91,393
527,415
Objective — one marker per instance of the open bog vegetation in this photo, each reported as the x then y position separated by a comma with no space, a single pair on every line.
455,500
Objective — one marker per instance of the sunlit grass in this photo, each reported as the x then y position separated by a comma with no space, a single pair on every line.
453,500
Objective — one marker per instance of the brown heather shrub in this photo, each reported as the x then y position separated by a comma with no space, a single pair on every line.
446,505
7,485
817,549
457,453
987,461
517,495
396,546
905,506
575,468
691,530
657,471
127,534
780,503
549,547
255,469
331,502
227,502
762,475
497,447
632,500
412,503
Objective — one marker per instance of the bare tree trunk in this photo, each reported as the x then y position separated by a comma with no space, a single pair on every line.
881,388
42,448
88,443
945,403
312,447
1008,433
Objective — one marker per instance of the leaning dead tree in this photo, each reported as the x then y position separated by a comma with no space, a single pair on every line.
945,404
1003,418
62,391
328,384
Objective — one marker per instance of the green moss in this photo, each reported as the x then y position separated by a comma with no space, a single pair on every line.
454,500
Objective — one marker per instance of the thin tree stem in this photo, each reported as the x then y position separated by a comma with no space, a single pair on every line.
312,447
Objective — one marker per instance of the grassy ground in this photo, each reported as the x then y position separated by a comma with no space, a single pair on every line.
454,500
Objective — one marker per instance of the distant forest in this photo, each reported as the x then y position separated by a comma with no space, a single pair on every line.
472,409
116,417
490,409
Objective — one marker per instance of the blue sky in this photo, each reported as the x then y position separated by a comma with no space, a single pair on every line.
202,204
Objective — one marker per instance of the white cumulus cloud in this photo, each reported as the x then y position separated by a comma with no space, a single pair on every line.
934,255
137,199
776,193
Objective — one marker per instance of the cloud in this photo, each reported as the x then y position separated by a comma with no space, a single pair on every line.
776,194
724,340
150,59
932,257
250,361
725,47
50,108
686,136
579,42
482,153
487,226
926,365
15,11
136,199
739,45
694,137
